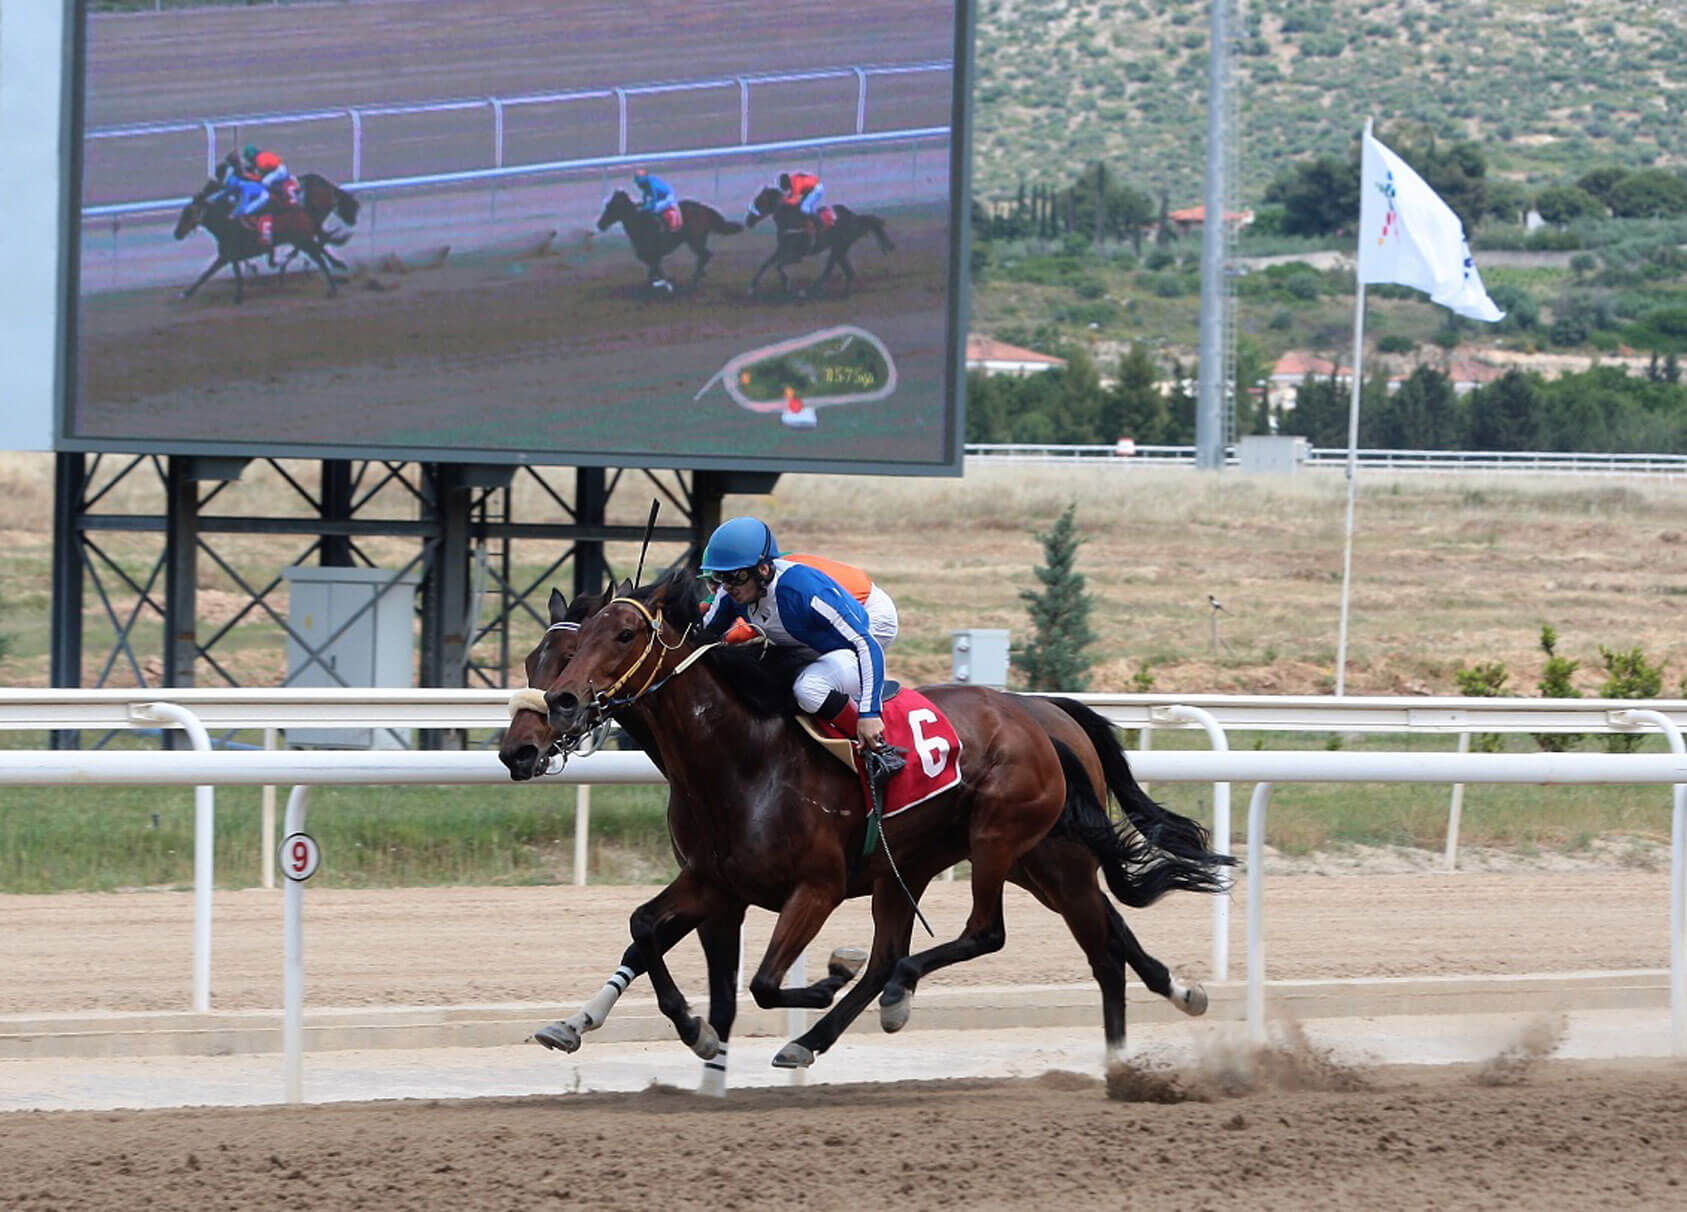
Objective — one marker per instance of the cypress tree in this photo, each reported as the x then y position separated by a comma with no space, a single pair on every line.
1060,612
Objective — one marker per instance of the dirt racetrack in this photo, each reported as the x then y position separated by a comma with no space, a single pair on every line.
1291,1129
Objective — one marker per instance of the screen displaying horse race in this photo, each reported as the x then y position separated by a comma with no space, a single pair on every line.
654,234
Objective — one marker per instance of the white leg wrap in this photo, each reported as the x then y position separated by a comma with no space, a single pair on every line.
714,1075
594,1012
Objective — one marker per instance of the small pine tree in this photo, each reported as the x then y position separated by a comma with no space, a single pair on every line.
1060,611
1628,675
1555,684
1483,682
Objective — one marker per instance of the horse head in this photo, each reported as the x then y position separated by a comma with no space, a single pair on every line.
530,740
617,208
623,651
763,205
193,214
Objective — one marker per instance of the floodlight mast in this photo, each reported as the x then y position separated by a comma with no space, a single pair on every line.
1210,388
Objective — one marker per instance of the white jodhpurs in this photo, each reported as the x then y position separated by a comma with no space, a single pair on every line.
881,617
835,671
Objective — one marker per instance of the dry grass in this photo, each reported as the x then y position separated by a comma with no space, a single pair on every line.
1447,570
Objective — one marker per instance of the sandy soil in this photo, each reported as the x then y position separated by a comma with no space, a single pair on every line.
1608,1136
1285,1128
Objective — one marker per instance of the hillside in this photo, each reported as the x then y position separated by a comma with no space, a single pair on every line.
1546,86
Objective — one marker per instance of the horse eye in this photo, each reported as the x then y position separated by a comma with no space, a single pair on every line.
626,636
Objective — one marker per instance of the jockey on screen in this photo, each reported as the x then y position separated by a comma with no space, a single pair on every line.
799,606
804,191
246,196
659,199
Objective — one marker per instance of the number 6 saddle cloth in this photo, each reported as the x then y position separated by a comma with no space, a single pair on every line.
913,723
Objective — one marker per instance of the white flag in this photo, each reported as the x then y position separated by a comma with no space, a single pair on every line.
1410,237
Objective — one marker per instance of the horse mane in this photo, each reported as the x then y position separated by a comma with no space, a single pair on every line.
758,675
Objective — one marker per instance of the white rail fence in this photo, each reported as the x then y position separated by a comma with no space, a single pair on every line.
1329,458
496,109
199,711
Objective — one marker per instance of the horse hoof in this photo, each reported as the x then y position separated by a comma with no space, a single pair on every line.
894,1009
793,1056
559,1037
1192,1001
707,1043
845,962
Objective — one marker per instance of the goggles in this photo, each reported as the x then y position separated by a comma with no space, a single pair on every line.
732,580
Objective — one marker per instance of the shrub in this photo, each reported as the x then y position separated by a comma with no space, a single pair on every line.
1628,675
1483,682
1060,611
1555,684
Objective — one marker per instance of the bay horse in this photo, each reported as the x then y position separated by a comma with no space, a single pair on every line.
237,243
794,240
652,239
1153,854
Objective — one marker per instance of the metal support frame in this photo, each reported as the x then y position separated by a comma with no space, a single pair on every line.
462,516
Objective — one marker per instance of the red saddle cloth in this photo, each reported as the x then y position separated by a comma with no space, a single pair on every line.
672,219
914,723
828,216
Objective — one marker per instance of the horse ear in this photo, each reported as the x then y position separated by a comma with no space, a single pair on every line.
558,605
626,589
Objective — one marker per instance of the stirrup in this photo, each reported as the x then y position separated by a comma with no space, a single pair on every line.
883,762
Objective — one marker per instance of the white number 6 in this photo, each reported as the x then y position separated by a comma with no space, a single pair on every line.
933,750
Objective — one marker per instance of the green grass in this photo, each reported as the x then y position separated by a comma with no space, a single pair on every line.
57,839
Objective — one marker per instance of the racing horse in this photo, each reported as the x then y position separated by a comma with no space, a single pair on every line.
1060,869
652,240
237,243
794,240
322,200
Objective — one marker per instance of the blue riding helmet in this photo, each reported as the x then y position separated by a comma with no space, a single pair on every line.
739,543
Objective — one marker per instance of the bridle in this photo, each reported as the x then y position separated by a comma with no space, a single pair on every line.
605,700
531,698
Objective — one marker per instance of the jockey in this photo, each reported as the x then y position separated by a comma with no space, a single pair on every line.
659,199
796,605
804,191
246,197
273,175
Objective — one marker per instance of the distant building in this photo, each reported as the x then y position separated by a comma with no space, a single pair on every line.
995,357
1192,219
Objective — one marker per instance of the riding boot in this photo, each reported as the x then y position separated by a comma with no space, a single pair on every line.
884,760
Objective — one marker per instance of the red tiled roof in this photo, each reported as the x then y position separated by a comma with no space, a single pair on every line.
988,349
1296,365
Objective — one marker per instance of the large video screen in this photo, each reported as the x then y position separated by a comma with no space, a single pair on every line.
718,236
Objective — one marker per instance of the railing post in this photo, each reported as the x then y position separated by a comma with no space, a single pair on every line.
1455,810
497,131
210,149
621,110
266,796
1677,877
582,830
356,145
860,101
1221,826
293,963
204,844
743,111
1256,912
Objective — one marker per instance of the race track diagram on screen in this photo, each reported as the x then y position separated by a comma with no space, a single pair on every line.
841,365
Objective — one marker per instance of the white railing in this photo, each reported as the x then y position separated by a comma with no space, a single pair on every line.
258,707
1327,458
493,175
496,109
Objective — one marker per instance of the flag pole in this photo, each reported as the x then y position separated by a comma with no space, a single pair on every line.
1352,467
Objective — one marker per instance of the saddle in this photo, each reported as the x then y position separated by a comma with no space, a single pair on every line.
671,218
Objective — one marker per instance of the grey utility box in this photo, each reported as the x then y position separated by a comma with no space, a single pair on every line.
980,657
361,623
1271,454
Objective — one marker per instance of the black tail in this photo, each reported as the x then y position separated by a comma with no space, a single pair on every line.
346,206
1151,852
876,225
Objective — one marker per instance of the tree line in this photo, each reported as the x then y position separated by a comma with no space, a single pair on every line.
1604,409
